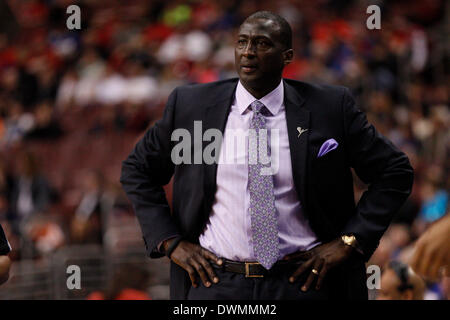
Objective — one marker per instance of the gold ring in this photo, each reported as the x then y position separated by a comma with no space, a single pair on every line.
315,272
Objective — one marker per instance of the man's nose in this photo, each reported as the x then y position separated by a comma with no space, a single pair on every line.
249,50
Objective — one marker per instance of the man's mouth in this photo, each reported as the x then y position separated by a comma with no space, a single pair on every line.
248,68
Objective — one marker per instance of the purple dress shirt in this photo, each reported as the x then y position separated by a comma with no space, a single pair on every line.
228,231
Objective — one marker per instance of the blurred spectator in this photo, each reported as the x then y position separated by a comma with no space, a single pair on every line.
43,235
45,125
432,251
446,286
435,198
129,283
30,192
86,224
399,282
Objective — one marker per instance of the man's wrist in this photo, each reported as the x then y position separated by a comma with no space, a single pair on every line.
162,247
171,244
165,244
351,241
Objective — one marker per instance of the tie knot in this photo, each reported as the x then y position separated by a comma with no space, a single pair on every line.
257,106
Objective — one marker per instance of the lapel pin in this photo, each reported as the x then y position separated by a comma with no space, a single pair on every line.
300,131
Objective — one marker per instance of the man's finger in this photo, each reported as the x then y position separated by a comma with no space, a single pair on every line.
308,282
321,276
201,272
303,267
211,256
209,269
192,276
314,273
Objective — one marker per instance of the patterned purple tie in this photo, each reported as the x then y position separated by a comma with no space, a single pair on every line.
262,199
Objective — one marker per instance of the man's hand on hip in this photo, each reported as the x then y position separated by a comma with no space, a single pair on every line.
322,259
194,259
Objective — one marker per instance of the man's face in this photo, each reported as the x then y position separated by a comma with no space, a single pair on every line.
260,55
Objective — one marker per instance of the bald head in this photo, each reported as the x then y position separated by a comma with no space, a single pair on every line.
281,24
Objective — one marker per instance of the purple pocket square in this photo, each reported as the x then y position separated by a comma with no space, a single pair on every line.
327,146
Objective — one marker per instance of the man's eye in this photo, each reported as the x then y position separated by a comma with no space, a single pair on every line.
263,44
242,42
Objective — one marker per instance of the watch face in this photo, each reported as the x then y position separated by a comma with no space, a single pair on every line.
349,240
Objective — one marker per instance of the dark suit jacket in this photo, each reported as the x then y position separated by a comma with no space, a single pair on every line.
4,245
324,185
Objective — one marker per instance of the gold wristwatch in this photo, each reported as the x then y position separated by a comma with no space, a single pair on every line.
349,240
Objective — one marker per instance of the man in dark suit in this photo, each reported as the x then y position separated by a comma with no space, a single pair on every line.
5,262
292,234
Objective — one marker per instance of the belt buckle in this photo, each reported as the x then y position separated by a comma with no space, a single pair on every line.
247,270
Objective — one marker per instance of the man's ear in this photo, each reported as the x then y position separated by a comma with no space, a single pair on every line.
288,56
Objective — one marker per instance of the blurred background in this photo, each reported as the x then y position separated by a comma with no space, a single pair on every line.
74,102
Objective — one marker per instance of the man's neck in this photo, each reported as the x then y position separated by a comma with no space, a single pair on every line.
259,92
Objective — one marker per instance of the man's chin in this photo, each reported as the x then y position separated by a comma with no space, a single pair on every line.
250,78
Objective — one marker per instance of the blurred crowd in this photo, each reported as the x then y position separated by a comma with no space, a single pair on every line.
74,102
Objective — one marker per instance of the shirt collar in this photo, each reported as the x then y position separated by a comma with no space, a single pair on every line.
273,100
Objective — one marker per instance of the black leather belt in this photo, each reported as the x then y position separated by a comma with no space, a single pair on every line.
255,269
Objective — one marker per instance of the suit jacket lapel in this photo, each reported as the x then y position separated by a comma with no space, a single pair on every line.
215,117
297,117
